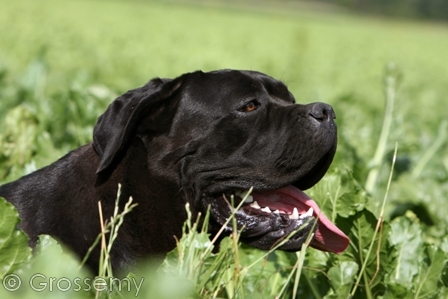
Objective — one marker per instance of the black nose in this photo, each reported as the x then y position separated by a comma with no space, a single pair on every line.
321,112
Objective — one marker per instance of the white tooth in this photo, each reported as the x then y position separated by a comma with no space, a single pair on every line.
249,199
266,209
295,214
308,213
276,212
255,205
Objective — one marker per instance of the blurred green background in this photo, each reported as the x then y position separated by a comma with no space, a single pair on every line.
63,61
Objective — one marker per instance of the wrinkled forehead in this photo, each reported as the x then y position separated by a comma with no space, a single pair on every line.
229,87
275,88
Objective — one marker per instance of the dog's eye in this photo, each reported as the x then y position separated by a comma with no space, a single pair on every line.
251,106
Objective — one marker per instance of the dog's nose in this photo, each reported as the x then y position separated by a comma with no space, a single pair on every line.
321,112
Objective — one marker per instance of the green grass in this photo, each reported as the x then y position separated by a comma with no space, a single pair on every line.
62,62
322,57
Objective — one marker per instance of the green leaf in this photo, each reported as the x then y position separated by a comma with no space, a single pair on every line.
342,277
53,260
315,282
17,141
339,193
13,242
382,258
397,291
406,236
159,285
428,282
444,275
52,273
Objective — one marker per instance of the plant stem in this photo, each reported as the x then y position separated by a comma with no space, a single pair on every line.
300,260
391,88
378,225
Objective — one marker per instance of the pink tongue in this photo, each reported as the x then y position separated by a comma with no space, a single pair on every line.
327,237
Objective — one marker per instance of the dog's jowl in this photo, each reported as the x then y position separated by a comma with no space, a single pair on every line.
199,138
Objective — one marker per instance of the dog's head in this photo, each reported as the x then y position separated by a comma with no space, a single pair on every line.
216,135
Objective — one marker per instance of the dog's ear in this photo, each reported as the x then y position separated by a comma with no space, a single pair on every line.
118,124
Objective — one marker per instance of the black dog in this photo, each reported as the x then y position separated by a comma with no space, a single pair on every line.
198,138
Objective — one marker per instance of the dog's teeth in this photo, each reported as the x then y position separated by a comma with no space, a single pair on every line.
255,205
308,213
266,209
249,199
294,215
276,212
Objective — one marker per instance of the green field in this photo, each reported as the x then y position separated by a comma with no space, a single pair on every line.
62,62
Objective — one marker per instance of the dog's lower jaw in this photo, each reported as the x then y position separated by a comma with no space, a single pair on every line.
261,229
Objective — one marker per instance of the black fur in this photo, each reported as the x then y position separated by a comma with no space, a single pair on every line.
169,142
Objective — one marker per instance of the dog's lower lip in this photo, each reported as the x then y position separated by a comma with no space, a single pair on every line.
287,199
328,237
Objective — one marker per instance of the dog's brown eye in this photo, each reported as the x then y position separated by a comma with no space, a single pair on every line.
251,106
